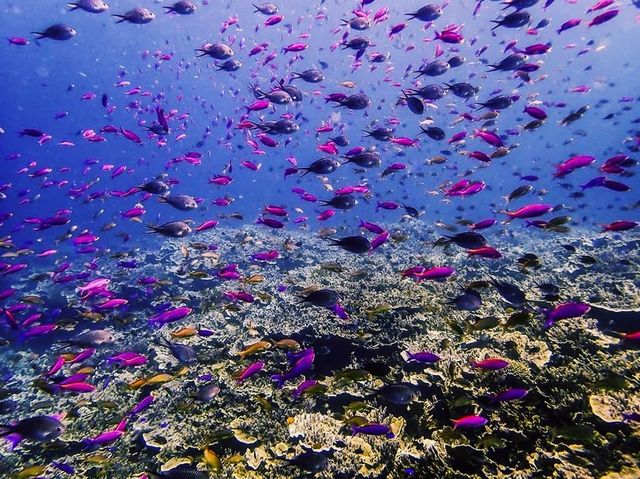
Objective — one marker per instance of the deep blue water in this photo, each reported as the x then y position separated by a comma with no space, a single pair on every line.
116,75
47,77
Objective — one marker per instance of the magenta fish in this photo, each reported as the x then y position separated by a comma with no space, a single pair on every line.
565,311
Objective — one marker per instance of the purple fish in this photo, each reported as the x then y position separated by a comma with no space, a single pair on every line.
423,357
170,316
565,311
511,394
303,386
301,365
373,429
142,405
249,371
469,422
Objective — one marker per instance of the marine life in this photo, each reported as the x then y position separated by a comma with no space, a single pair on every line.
319,239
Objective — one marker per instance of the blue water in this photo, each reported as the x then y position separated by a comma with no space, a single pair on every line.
47,77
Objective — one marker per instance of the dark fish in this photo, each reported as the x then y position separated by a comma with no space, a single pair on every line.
206,393
341,202
380,134
359,101
183,353
367,159
266,8
519,192
431,92
90,339
182,7
574,115
230,65
434,132
180,202
59,31
155,187
516,19
353,244
462,90
467,240
509,292
173,229
497,103
219,51
398,393
180,472
311,462
325,298
138,15
433,69
311,76
428,13
470,300
511,62
37,429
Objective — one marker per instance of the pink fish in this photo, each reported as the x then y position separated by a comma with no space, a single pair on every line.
565,311
529,211
469,422
326,214
273,20
129,135
621,225
207,225
573,163
221,180
436,273
490,364
485,252
489,137
128,359
76,387
113,304
604,17
295,47
20,41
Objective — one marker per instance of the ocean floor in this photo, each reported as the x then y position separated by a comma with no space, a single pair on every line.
581,376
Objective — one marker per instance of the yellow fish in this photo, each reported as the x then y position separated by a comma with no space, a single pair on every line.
254,348
212,460
31,471
185,332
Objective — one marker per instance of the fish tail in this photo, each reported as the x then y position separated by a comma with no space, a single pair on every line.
5,430
121,17
152,229
41,35
72,6
169,9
